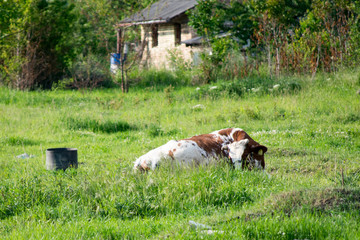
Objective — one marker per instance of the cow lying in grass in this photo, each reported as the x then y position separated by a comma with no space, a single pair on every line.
231,143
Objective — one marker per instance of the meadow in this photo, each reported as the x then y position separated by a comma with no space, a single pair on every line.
310,126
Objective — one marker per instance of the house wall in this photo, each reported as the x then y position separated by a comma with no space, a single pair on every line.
158,56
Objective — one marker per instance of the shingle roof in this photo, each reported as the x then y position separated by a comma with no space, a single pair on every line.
161,11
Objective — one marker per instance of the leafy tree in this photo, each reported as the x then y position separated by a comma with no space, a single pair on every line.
34,47
287,12
212,17
42,40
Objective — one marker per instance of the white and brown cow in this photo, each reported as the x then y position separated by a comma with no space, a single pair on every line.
232,143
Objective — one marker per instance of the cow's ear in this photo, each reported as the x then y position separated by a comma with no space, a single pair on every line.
259,149
238,135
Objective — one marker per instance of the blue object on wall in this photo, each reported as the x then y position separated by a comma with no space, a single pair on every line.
115,58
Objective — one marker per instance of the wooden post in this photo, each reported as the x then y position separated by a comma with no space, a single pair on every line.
119,40
122,76
118,50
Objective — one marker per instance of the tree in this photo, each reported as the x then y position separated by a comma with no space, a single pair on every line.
41,41
35,45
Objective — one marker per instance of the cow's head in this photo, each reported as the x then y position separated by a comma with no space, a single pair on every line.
254,156
244,155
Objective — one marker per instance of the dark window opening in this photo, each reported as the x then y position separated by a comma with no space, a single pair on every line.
177,29
154,35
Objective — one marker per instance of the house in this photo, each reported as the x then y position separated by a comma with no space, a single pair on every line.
164,29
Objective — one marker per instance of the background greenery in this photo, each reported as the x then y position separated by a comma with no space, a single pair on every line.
312,133
68,43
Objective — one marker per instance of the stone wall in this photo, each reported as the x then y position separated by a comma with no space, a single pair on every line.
158,56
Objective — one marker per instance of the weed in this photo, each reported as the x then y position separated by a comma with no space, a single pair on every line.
97,125
168,93
253,114
155,130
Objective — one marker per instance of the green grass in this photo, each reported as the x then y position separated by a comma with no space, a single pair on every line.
311,128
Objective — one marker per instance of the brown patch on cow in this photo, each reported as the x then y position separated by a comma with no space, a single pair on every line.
225,132
208,143
220,141
239,135
144,166
174,150
171,154
179,144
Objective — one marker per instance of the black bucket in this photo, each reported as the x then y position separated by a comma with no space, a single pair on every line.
61,158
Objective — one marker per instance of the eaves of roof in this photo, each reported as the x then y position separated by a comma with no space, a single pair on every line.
160,12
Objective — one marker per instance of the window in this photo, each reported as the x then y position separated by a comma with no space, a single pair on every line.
154,35
177,29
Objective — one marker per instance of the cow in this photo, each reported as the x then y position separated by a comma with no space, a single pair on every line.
233,144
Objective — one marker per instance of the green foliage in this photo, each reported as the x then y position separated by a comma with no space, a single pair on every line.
207,18
158,79
86,72
180,67
33,51
212,19
285,36
35,54
293,9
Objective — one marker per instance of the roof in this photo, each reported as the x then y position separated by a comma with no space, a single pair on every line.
160,12
199,40
193,41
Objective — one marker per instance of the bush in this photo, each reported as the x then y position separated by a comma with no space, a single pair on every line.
158,79
85,72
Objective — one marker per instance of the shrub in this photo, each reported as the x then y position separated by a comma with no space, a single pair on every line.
156,78
85,72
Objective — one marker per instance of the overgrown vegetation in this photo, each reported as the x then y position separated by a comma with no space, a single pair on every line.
313,161
247,39
307,37
43,42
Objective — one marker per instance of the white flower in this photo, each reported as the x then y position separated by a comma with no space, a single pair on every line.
199,106
276,86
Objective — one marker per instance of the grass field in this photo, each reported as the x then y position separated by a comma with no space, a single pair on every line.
311,128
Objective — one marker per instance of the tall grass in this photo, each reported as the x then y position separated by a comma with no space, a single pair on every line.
312,133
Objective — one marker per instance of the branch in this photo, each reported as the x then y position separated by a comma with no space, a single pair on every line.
9,34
